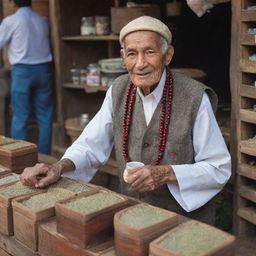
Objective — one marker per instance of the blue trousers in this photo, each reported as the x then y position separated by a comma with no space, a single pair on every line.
31,90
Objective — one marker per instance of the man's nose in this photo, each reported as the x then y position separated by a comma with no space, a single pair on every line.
141,61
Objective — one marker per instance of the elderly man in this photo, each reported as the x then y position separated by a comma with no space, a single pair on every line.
155,116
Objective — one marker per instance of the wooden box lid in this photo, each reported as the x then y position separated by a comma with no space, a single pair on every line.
41,206
12,191
82,207
193,238
5,140
19,147
8,179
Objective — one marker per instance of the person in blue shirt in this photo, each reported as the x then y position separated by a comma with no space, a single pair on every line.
26,34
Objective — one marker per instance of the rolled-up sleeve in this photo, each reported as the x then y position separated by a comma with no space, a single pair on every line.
201,181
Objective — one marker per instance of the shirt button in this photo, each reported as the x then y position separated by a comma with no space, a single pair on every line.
145,145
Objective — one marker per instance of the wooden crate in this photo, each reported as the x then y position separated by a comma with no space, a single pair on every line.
52,243
4,170
134,240
223,248
6,220
120,16
5,140
18,158
85,229
26,218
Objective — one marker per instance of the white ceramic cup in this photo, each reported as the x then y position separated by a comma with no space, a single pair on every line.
129,166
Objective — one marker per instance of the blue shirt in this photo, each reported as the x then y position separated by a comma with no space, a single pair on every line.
26,34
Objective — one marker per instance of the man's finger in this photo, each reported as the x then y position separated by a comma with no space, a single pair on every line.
46,181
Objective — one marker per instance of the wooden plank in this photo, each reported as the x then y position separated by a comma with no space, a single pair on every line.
4,170
248,39
248,15
51,243
248,115
248,213
91,38
248,91
247,148
13,247
248,192
248,66
3,253
247,171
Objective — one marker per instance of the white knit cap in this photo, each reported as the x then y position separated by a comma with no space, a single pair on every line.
146,23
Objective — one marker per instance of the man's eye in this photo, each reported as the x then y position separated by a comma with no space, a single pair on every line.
130,54
150,52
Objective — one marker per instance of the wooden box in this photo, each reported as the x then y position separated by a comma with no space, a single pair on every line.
120,16
51,243
4,170
30,211
8,179
196,237
7,194
18,155
136,226
88,218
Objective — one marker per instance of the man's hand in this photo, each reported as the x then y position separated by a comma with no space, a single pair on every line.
149,178
41,175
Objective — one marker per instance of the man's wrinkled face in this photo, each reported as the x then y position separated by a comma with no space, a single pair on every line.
144,58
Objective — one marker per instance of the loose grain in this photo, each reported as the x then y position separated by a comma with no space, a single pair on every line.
94,202
70,185
142,216
46,200
193,240
15,145
16,189
8,179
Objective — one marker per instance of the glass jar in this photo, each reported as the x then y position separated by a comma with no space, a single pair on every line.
75,76
102,25
88,26
93,75
84,119
83,74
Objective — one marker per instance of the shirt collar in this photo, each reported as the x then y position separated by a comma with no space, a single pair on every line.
158,91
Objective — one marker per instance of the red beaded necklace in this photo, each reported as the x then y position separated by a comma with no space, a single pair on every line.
164,121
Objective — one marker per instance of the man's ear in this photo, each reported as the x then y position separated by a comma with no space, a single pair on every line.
122,53
169,55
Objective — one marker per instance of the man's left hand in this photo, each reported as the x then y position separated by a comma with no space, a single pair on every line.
149,178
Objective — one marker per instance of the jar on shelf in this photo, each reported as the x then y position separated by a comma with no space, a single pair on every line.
84,119
88,26
102,25
93,75
75,76
83,74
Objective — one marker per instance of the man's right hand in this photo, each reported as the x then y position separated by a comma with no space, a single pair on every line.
42,175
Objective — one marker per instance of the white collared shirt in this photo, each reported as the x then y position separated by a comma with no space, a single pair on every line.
26,34
197,183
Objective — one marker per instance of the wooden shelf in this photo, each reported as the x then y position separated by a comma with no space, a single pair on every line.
248,115
247,147
248,15
87,89
247,171
248,39
248,91
91,38
248,66
248,192
248,213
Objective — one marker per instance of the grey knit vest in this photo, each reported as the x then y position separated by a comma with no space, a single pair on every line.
143,139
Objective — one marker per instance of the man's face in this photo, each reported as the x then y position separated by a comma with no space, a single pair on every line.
144,59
